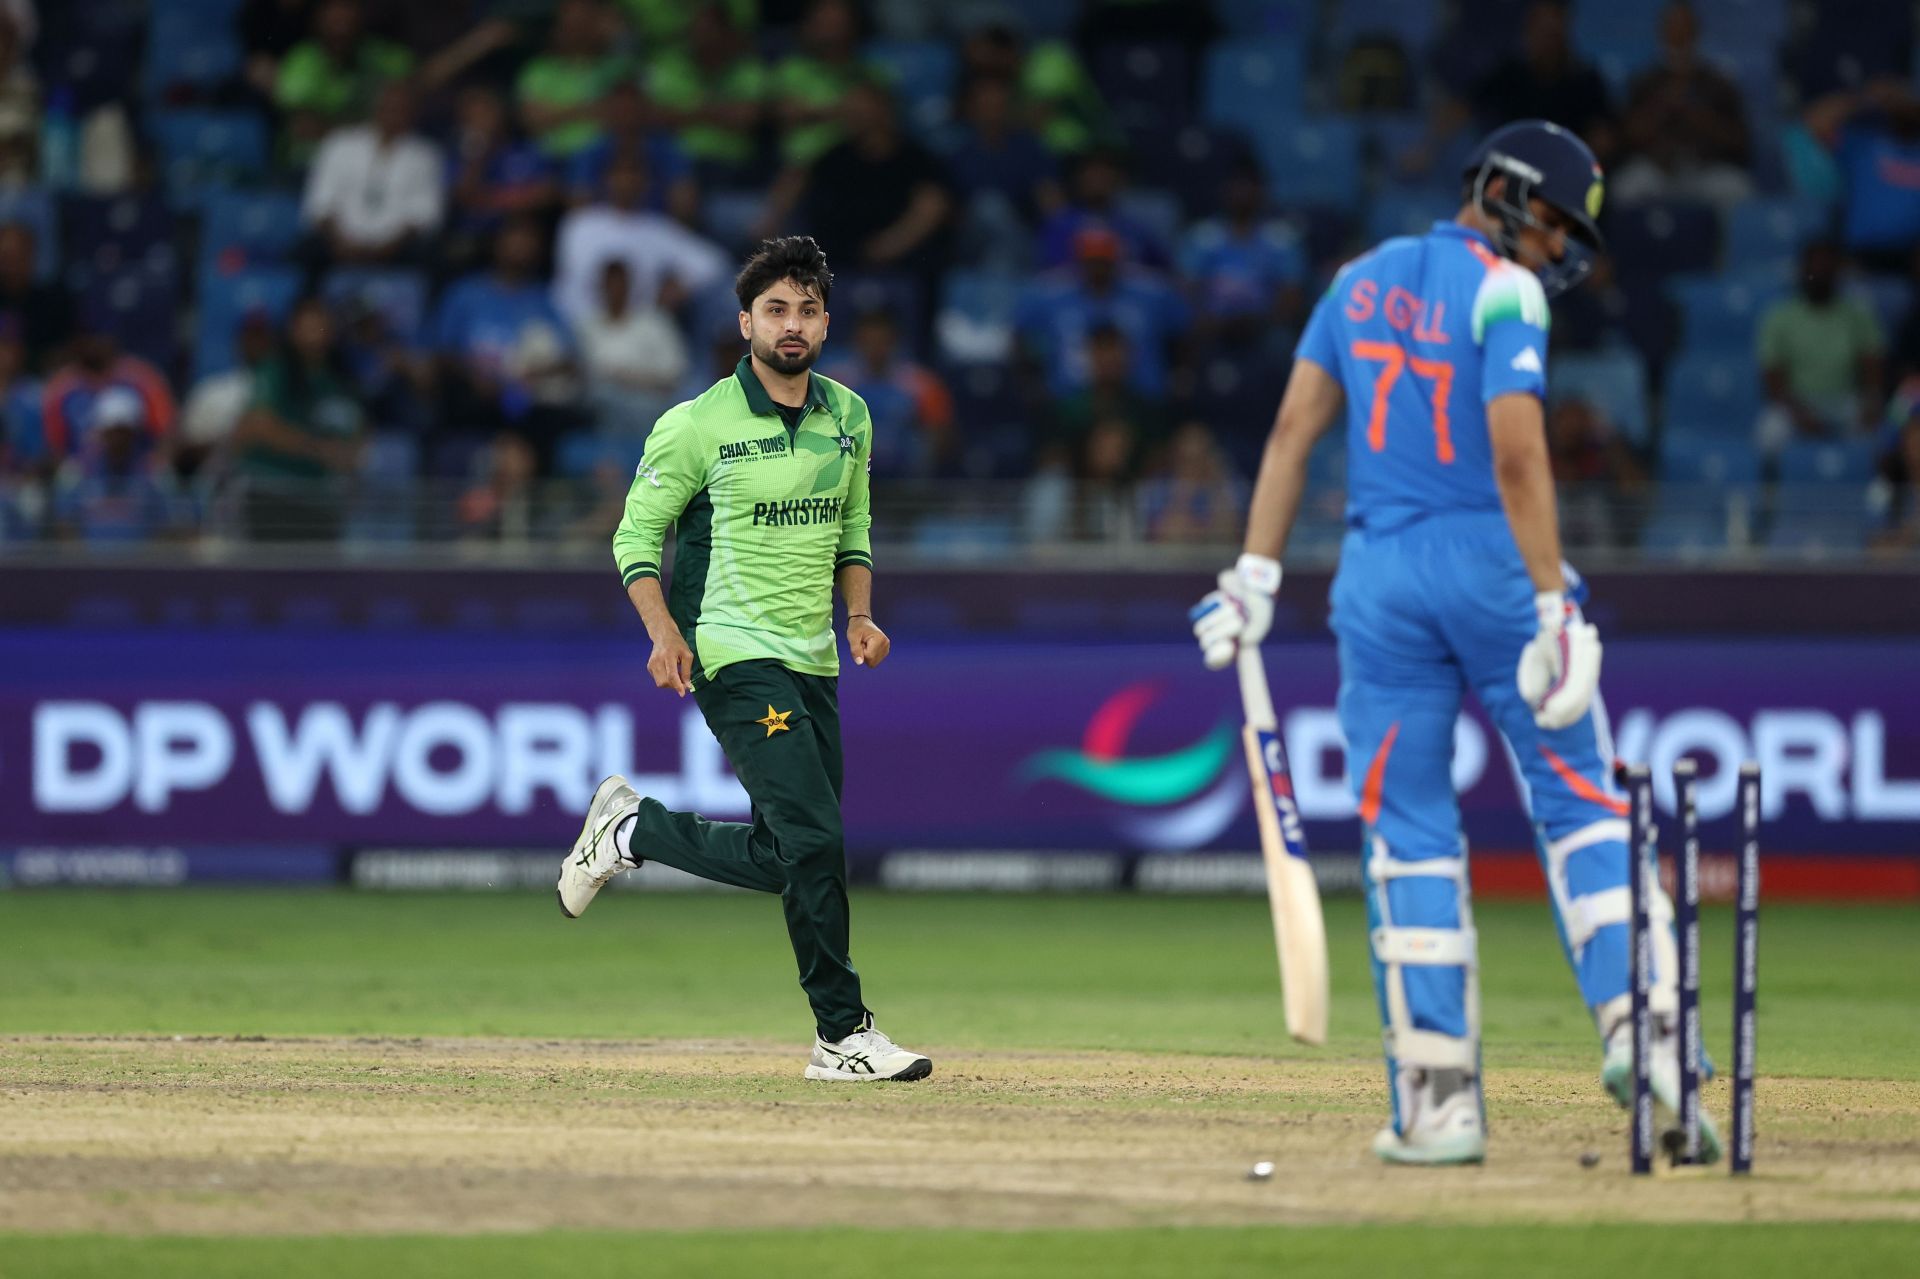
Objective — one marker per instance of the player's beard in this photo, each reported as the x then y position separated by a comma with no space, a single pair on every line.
770,355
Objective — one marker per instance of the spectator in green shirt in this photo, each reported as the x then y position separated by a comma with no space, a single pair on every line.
561,90
1820,357
330,78
669,24
808,86
1059,99
712,91
302,436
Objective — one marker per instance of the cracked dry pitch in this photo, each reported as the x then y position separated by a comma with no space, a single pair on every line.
304,1135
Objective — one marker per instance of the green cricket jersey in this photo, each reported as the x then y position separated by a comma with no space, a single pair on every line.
765,515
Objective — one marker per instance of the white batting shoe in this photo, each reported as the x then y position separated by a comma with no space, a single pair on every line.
594,858
1443,1124
866,1056
1663,1077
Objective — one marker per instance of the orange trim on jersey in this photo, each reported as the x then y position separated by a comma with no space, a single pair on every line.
1583,788
1377,777
1488,258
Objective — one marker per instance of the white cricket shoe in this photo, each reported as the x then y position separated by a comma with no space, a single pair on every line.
1443,1126
866,1056
1616,1076
594,859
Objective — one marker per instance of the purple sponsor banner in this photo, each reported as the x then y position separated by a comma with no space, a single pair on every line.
204,738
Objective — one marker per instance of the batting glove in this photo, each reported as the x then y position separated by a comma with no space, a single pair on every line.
1238,612
1560,666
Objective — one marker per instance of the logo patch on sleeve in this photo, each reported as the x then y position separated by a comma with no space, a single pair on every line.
1528,361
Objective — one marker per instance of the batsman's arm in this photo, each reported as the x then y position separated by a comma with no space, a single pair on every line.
1312,401
1517,425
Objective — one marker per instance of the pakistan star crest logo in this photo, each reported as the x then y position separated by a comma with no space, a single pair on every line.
776,721
846,443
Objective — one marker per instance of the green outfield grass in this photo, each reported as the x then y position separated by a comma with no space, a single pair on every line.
970,976
1748,1251
1837,992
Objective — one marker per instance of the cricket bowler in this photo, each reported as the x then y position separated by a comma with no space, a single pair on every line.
1450,579
765,480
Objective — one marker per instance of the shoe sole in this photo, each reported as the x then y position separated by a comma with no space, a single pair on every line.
1443,1155
918,1070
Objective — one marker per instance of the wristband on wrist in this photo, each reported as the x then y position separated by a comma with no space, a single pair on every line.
851,616
1261,572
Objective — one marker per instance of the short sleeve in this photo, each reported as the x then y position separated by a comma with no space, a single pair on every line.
1869,336
1510,322
1320,342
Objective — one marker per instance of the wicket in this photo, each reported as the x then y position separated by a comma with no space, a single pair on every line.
1643,879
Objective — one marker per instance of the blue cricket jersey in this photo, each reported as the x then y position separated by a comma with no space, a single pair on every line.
1422,333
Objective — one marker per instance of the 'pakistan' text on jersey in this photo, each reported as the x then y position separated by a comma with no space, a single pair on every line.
764,517
1422,334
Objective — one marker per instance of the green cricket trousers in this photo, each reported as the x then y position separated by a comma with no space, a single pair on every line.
781,732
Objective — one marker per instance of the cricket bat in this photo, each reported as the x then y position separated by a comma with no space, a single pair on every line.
1299,928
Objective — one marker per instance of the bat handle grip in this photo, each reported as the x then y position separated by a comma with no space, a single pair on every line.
1254,695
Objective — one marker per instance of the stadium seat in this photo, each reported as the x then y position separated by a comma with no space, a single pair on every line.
1314,163
1721,315
1709,461
1828,462
730,215
923,74
1664,239
205,150
1687,524
1818,520
225,301
140,310
975,323
188,55
1254,85
1614,381
1146,84
1414,23
1890,297
34,208
1735,26
1192,161
1708,395
1407,212
259,227
399,296
1767,233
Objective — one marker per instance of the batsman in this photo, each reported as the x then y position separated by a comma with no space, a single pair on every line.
764,478
1434,349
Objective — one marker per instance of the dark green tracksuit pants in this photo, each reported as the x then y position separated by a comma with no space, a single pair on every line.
781,732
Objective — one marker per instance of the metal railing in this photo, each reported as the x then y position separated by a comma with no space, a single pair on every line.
1044,520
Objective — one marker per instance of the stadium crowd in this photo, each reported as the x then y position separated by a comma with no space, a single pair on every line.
313,269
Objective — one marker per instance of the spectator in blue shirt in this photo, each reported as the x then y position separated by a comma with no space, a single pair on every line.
1246,269
505,358
1099,180
1874,135
112,492
996,158
671,188
912,409
1056,315
494,175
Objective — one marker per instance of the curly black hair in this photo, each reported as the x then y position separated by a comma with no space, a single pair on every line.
791,257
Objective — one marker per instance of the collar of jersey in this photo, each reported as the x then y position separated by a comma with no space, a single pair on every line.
758,401
1459,232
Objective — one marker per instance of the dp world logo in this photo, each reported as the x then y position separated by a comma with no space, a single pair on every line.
1179,800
